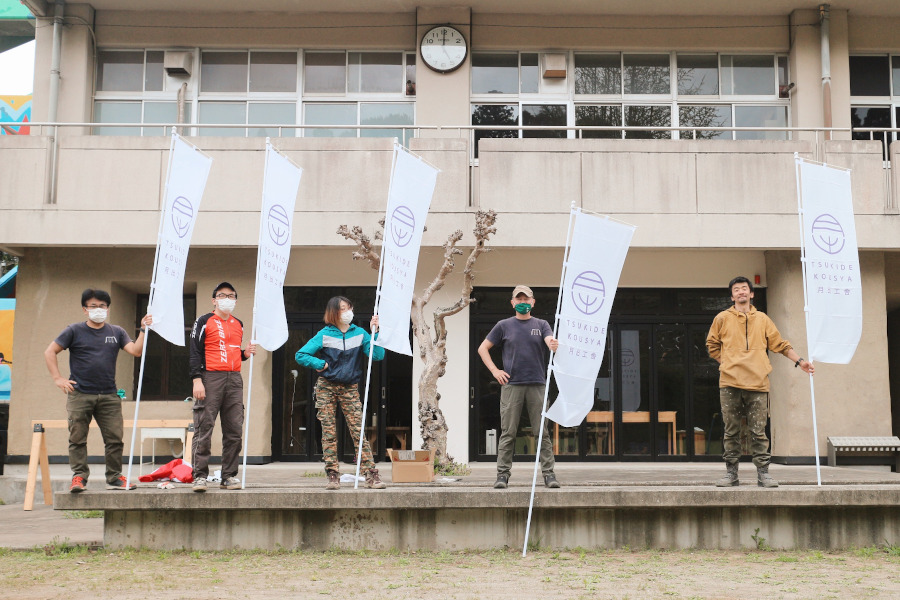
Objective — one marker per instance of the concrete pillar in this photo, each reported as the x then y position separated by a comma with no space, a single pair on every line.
852,399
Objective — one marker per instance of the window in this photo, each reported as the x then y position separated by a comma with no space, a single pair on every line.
646,73
110,111
698,75
131,88
166,368
495,114
598,74
875,97
359,88
495,73
612,89
260,93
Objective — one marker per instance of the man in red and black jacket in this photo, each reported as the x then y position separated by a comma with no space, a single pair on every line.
215,360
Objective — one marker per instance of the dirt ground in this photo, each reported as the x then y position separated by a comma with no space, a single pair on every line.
60,571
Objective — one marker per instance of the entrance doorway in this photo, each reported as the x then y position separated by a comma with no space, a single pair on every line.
296,431
656,395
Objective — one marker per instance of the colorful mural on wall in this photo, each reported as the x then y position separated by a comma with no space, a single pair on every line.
15,109
7,318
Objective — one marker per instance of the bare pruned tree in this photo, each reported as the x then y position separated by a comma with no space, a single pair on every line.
433,343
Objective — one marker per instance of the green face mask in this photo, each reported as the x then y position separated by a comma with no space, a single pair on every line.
523,308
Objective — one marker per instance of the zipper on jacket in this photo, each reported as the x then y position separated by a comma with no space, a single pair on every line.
747,329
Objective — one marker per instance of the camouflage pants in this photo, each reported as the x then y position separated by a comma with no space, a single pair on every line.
737,403
328,396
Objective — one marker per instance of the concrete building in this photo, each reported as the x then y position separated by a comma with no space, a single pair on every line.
80,203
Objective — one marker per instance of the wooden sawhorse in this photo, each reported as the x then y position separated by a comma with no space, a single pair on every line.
39,458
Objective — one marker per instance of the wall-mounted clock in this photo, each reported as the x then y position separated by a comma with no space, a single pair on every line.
443,48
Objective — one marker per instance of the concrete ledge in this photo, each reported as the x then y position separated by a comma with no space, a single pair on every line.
408,498
827,518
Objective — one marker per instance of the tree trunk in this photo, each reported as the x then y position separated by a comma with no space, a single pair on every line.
432,424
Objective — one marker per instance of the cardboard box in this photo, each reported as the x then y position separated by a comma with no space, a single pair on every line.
412,466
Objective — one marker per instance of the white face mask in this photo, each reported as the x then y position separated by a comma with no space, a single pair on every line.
226,305
98,315
347,316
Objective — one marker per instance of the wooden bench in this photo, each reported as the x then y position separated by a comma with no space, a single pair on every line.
38,457
869,450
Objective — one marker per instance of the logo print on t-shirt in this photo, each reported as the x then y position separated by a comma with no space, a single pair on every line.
111,339
535,332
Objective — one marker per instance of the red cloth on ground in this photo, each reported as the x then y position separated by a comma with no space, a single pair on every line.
176,470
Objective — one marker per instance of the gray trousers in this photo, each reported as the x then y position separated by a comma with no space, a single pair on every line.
737,403
512,399
224,397
106,409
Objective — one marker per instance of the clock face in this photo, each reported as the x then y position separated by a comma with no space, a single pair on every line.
443,48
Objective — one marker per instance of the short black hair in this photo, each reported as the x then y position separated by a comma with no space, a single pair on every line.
740,279
101,295
223,285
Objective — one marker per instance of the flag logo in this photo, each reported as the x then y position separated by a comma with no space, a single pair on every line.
828,234
403,224
279,225
588,292
627,357
182,215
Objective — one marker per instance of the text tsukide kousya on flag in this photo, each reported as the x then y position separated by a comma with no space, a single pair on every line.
280,184
833,283
412,186
188,171
596,255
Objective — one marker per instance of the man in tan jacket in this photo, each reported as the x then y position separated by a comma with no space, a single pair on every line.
738,341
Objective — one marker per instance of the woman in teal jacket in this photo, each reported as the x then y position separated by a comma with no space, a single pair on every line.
337,354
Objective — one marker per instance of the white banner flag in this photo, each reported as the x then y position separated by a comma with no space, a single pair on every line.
188,171
596,256
833,282
412,186
281,182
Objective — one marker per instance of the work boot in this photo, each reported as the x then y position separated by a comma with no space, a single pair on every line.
550,481
763,479
334,480
502,481
373,481
731,476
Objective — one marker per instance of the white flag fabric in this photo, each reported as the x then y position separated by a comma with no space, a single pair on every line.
833,283
281,182
596,256
188,171
412,186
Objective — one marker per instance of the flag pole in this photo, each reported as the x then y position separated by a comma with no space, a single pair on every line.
137,397
812,386
365,406
540,438
253,326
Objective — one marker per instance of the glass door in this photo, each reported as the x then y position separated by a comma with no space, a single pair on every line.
296,432
632,408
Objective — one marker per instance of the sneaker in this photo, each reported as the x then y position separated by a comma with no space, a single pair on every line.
373,481
78,483
199,484
334,480
550,481
230,483
119,484
502,481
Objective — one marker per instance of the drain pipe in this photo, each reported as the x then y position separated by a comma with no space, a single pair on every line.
825,40
58,13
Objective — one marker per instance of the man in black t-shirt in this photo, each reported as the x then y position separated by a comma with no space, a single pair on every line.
523,378
91,391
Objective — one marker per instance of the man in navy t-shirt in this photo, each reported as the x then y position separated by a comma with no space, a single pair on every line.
91,391
523,378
